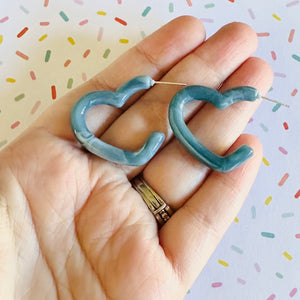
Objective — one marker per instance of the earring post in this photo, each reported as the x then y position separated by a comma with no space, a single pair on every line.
275,101
170,83
185,84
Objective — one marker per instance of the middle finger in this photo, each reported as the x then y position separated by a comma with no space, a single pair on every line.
209,65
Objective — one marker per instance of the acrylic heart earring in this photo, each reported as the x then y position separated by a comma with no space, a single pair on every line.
186,138
220,101
117,99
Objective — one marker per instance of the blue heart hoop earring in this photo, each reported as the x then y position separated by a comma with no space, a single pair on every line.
220,101
117,99
181,131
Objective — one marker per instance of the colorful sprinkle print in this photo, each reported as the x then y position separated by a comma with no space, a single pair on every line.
22,32
296,57
15,125
265,161
35,107
276,17
48,55
257,267
83,22
291,35
253,212
4,19
43,37
285,125
189,2
283,179
263,34
216,284
22,55
64,16
292,3
268,235
236,249
71,40
268,200
44,23
287,215
287,255
48,48
53,92
120,21
3,143
293,292
101,13
19,97
146,11
251,13
67,62
70,83
294,92
223,263
241,281
106,53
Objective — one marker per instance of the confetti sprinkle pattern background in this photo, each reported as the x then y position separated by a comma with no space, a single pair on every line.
48,47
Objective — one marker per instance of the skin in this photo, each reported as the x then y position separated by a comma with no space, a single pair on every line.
71,225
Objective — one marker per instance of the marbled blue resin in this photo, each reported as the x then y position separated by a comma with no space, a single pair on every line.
181,131
117,99
221,101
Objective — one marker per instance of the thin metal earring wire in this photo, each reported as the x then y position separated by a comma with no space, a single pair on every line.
185,84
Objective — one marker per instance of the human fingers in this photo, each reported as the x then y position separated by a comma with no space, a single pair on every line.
210,64
174,173
207,208
153,56
193,232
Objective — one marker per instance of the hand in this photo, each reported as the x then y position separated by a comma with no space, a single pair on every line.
72,227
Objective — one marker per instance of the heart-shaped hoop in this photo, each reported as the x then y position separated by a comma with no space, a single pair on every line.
117,99
221,101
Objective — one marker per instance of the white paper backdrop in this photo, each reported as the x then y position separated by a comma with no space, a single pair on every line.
63,43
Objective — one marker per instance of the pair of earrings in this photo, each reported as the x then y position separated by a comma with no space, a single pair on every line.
153,143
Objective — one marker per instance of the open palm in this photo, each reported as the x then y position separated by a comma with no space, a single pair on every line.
71,225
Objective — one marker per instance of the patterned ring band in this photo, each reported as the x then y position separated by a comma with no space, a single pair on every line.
161,211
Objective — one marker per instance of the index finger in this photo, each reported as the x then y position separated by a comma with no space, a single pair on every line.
153,56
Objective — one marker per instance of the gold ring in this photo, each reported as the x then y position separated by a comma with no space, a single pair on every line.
161,211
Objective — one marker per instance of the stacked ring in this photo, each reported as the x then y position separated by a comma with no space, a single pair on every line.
161,211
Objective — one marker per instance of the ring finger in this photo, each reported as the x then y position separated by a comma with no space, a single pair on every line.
174,173
209,65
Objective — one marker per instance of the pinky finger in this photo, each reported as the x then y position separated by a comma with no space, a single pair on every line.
193,232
